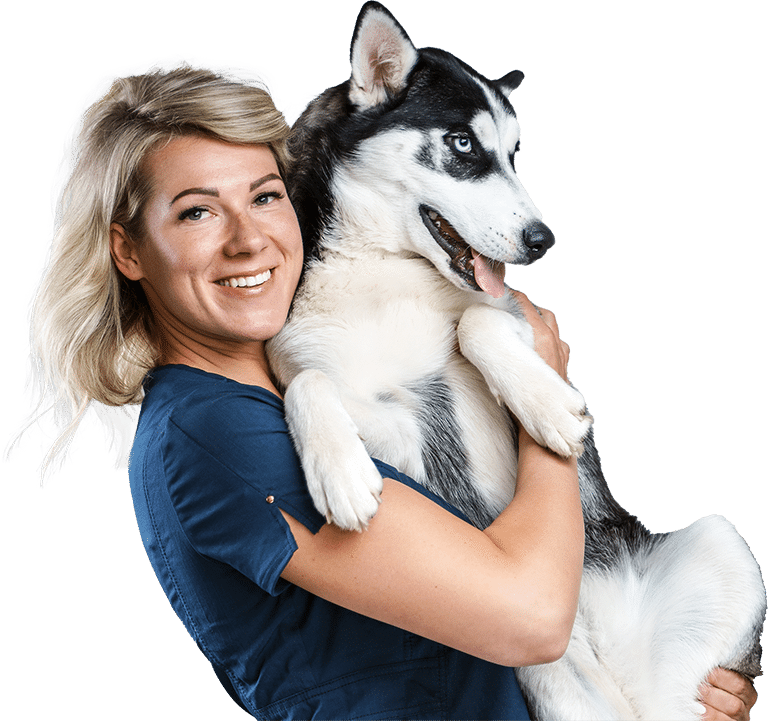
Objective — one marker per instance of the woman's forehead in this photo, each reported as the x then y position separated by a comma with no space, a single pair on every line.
196,161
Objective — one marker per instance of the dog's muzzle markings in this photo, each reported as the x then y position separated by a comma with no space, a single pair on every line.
478,271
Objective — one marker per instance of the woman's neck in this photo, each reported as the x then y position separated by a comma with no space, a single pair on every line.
244,363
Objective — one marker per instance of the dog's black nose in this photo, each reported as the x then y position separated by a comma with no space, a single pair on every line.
538,239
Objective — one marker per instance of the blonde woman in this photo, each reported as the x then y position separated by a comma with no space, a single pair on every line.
176,259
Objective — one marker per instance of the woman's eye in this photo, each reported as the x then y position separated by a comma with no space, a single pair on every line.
193,214
265,198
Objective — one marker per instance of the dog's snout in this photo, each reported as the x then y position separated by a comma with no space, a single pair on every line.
538,238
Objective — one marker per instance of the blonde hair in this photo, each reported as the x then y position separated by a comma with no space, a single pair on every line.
91,327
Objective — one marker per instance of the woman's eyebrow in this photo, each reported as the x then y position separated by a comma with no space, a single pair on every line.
271,176
196,191
215,193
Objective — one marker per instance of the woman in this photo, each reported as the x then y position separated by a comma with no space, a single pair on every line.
177,258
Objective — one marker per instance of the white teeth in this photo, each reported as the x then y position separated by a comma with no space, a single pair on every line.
247,281
435,218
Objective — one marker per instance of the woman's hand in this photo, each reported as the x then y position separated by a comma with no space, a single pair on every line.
546,334
727,696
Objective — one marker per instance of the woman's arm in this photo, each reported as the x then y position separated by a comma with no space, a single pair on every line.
507,594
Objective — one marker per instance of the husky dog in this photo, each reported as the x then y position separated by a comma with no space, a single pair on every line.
404,344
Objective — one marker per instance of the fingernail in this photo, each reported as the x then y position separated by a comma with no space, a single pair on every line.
701,709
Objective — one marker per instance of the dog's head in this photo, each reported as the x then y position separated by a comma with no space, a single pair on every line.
415,153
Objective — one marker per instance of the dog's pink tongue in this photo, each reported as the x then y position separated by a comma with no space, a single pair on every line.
489,275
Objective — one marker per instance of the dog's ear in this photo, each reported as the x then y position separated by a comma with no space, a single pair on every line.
382,57
510,82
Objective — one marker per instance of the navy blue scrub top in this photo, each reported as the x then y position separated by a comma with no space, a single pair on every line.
212,465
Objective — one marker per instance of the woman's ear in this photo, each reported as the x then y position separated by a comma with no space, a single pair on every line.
123,250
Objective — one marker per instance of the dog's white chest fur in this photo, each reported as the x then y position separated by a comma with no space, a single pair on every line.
383,329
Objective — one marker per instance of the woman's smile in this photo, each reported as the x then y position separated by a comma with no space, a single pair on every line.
246,280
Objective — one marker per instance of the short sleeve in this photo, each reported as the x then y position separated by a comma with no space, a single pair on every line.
230,466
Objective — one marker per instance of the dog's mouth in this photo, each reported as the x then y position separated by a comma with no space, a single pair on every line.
478,271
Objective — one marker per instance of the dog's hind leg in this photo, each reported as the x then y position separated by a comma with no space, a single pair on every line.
652,625
704,606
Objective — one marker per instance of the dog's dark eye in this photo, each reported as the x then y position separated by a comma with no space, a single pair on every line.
513,154
461,143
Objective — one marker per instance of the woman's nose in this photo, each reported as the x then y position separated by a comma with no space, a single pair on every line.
246,235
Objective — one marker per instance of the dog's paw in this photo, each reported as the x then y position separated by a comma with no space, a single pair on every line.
346,492
556,417
343,481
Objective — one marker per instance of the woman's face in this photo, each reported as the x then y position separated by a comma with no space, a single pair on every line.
221,254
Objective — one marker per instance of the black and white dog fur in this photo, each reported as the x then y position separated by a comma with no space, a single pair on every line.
403,334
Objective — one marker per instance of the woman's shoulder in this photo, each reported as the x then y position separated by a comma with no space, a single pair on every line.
187,412
197,426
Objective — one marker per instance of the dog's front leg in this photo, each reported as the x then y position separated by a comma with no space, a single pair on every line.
500,346
343,481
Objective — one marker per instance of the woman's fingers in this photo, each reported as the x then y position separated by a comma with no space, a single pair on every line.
537,317
548,343
548,317
727,696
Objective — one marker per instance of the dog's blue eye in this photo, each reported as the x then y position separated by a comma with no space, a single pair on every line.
462,143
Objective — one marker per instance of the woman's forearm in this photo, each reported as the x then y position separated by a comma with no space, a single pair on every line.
543,531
